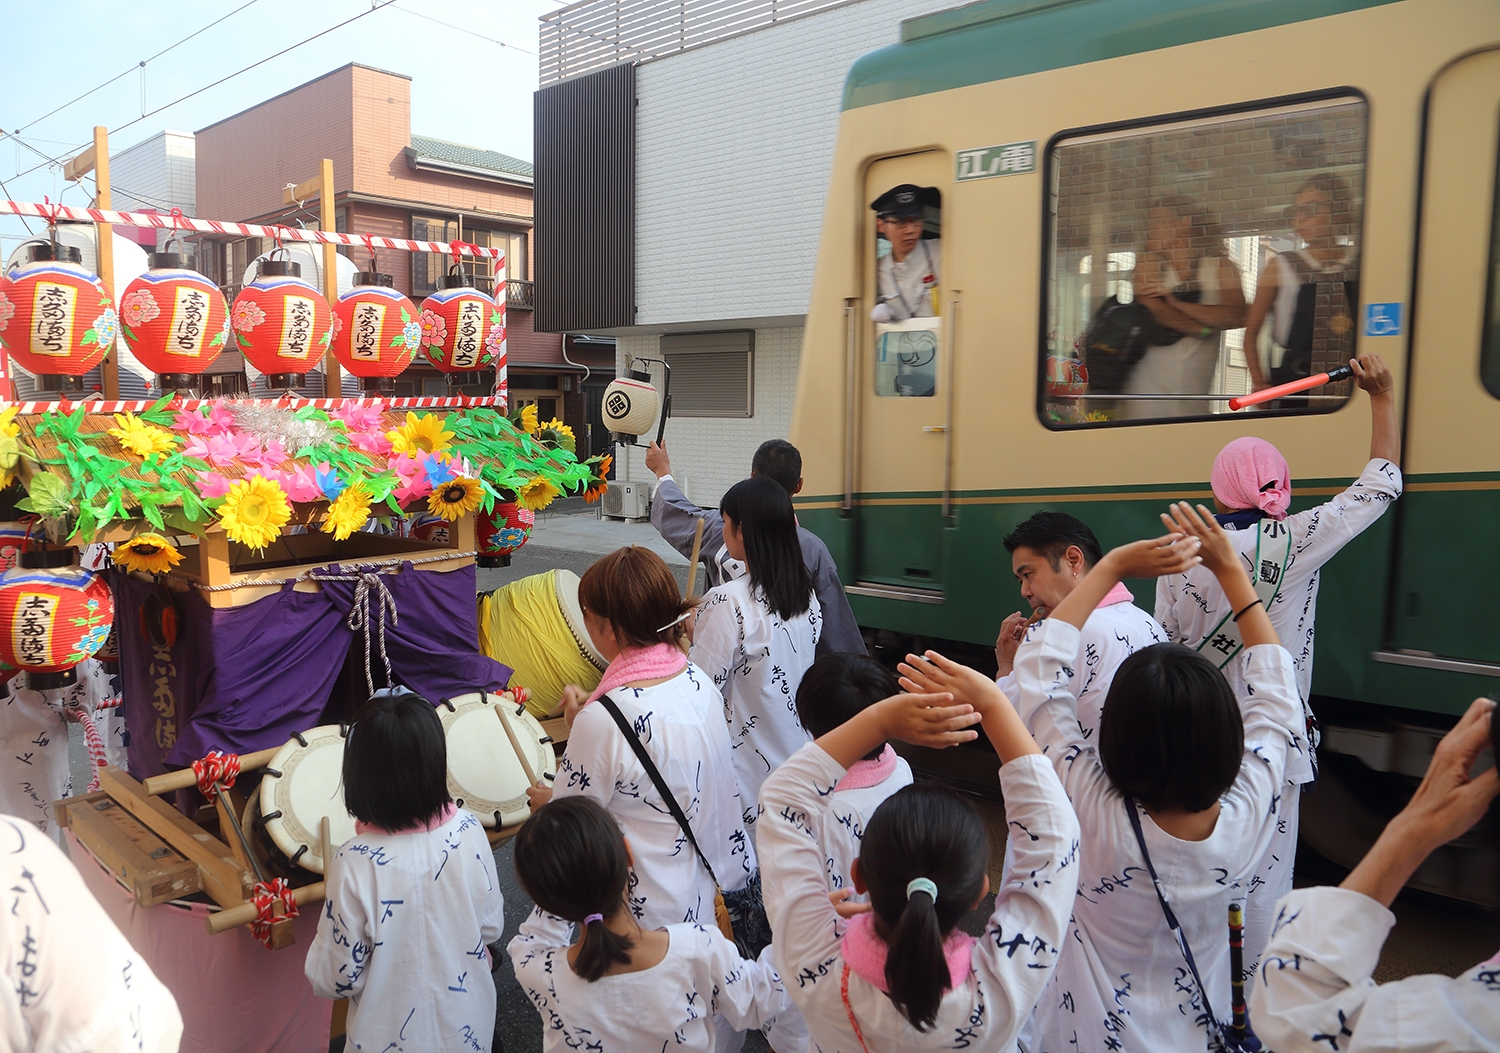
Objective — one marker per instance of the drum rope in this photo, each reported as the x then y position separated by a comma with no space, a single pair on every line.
313,575
360,615
216,771
264,896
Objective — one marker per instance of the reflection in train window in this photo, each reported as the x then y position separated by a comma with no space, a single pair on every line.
908,290
1489,355
1230,249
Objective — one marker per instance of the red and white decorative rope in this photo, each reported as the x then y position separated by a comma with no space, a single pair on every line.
216,771
179,222
95,744
290,402
264,895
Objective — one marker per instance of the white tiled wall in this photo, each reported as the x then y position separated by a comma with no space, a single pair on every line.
159,173
711,454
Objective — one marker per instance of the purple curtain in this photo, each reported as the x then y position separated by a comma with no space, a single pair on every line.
244,678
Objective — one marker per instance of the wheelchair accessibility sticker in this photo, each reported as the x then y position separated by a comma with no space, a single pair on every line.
1383,319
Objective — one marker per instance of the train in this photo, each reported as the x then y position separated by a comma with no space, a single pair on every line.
1048,141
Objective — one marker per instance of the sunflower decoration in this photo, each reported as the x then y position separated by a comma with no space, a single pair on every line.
528,419
598,483
557,435
140,438
424,434
150,553
348,512
455,498
536,493
254,511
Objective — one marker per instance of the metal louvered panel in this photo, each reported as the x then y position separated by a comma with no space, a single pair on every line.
585,202
713,374
588,36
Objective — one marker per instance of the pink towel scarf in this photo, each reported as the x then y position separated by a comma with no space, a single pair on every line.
865,953
641,663
866,773
1251,473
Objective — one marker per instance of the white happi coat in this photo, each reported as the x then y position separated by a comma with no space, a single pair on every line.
403,935
72,981
1121,982
680,724
1315,989
670,1006
1011,962
841,828
757,660
1190,605
1112,634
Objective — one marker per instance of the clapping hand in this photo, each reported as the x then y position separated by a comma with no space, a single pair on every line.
1215,550
1154,557
933,672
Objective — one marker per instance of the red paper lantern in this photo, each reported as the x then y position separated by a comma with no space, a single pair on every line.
175,321
502,531
375,331
12,541
53,615
56,320
462,328
281,324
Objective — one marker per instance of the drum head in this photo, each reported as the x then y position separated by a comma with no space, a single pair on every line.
303,784
565,586
484,774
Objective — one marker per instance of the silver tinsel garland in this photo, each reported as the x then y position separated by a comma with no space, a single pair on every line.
266,421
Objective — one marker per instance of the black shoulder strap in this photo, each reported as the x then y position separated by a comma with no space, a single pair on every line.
1133,810
639,749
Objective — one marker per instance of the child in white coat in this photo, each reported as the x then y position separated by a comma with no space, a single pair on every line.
412,901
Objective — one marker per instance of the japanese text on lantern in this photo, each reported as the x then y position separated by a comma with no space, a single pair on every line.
188,318
52,319
364,341
297,327
32,632
467,340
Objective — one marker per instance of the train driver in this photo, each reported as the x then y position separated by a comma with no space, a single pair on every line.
907,277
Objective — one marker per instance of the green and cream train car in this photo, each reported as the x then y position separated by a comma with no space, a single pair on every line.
1051,133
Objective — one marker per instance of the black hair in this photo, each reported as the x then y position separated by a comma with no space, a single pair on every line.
570,859
396,763
762,509
1051,534
922,831
1171,734
839,686
779,460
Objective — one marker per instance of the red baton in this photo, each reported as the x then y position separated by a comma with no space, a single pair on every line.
1282,390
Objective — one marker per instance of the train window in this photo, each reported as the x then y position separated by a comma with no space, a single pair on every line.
1489,355
908,278
1193,261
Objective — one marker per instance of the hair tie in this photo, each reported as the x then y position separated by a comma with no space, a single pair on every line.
593,917
921,884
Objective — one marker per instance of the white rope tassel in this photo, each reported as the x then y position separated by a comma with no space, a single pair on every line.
359,619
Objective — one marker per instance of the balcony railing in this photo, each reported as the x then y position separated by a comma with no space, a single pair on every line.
520,295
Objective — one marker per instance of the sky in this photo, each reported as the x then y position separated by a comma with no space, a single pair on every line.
472,80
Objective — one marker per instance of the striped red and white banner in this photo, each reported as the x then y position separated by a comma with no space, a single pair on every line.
290,402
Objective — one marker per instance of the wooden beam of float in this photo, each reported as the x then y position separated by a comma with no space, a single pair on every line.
321,187
96,159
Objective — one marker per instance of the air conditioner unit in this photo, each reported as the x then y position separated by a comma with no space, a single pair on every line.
626,501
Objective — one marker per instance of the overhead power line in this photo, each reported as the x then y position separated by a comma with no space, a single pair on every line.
464,29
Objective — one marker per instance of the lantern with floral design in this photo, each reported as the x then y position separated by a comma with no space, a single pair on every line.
56,320
1066,376
462,329
12,540
282,325
375,331
501,531
175,322
53,615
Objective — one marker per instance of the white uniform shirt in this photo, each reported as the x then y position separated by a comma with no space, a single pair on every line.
1121,982
757,661
680,723
1111,635
670,1006
403,935
841,829
34,769
1315,991
906,287
1010,963
73,983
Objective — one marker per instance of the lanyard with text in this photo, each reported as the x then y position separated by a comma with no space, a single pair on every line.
1273,551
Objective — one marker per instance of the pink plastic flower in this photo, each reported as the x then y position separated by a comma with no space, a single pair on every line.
247,315
271,456
360,418
212,485
139,307
374,442
434,329
218,450
301,484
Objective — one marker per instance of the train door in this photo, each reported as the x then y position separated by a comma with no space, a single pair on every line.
1449,562
905,375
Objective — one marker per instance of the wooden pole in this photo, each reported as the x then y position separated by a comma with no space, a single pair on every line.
692,582
333,387
106,253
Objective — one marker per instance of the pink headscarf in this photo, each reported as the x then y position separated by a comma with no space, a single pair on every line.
1251,473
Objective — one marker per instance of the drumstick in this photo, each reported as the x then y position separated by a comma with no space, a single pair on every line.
692,582
184,778
515,744
1280,390
325,842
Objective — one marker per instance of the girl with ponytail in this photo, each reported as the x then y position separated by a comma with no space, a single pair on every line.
618,980
899,975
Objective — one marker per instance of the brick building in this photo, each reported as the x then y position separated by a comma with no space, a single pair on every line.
388,182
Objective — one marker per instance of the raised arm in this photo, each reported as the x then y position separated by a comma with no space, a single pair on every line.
675,517
1219,555
1002,724
1373,375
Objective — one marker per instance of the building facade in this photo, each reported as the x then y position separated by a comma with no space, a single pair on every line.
157,175
691,150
